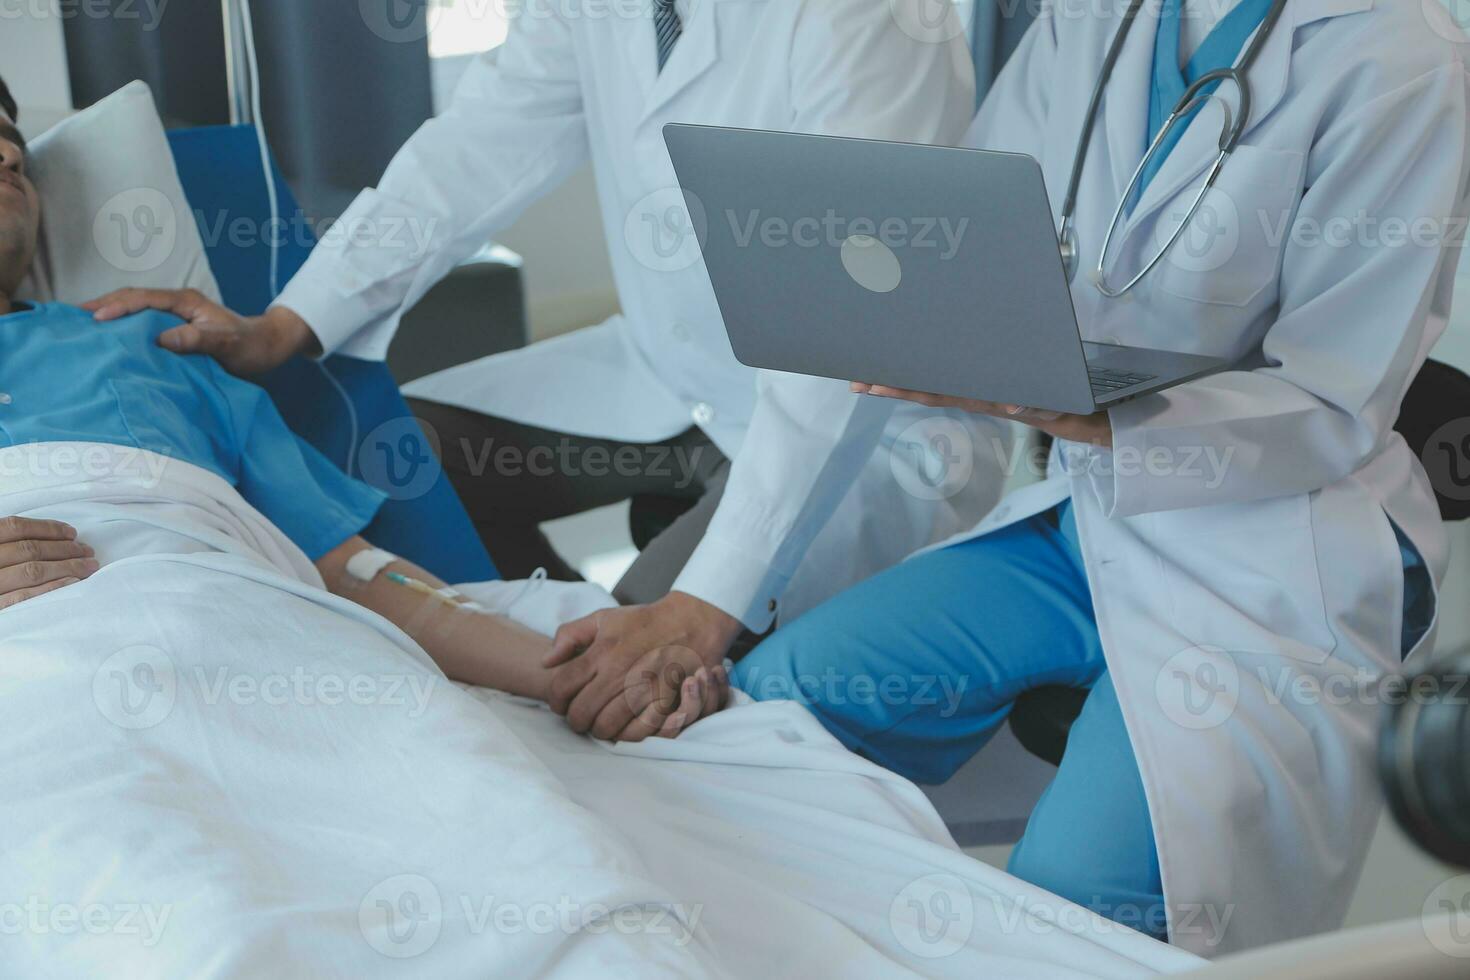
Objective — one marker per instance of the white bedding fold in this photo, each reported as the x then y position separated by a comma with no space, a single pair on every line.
215,769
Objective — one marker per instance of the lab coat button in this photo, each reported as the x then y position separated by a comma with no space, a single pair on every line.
680,332
771,606
1000,514
703,413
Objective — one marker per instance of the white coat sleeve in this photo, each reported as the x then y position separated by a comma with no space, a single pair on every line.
854,71
515,129
1354,324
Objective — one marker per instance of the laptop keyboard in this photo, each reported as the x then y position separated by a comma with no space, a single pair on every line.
1105,381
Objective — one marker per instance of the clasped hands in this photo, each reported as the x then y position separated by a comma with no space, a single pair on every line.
635,672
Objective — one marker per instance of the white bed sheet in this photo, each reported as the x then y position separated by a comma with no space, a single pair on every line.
214,769
807,861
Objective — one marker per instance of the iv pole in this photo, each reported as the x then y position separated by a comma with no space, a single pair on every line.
237,66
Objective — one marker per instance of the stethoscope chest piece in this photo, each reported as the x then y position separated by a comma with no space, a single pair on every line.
1067,238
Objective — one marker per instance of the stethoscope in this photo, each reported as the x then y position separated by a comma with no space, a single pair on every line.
1193,97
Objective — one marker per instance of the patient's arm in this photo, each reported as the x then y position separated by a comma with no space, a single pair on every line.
491,651
468,646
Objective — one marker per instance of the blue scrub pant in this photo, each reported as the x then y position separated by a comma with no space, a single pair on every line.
917,667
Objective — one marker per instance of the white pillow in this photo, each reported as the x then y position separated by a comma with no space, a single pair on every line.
113,213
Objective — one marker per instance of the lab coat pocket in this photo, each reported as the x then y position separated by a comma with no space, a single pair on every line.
1230,253
1249,580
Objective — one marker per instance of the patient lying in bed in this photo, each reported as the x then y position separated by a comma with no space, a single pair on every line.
71,380
66,378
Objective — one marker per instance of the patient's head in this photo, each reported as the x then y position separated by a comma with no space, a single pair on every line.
20,207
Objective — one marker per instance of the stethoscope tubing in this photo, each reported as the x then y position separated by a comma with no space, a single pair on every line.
1193,97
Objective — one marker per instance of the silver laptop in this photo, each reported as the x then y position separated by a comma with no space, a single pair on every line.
921,267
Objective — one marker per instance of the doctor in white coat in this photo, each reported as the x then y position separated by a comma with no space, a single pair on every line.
596,80
1234,562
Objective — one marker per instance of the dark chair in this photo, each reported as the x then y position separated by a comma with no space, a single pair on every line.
1439,397
651,514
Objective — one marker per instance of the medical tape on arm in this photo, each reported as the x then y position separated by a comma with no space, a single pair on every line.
367,565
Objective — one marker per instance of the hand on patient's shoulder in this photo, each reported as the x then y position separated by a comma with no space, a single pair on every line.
37,557
244,346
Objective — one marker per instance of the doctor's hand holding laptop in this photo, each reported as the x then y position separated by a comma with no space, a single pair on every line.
956,297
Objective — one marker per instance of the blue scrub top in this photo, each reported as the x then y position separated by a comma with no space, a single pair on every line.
71,379
1221,48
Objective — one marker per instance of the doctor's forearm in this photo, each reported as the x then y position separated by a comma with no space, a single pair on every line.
808,442
470,647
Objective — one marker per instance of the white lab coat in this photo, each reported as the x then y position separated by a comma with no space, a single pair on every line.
578,80
1237,539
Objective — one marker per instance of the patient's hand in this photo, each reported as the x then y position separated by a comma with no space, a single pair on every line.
244,345
622,673
37,557
664,692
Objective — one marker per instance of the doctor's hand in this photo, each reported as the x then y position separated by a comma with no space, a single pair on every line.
629,673
243,345
1096,429
37,557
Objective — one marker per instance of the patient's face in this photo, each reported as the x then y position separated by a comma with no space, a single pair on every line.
20,209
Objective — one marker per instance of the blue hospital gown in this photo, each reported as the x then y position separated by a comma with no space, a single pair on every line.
66,378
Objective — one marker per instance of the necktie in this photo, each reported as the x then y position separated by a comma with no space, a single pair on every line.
666,29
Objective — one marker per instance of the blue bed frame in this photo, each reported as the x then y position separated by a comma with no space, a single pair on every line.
377,440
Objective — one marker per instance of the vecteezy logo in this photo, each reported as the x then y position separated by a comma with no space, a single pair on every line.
1198,688
871,264
402,916
1209,240
665,230
1446,458
934,458
1447,917
933,916
136,687
400,21
136,231
1448,18
929,21
401,458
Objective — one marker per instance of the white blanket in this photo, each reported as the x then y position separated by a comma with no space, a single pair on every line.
212,768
